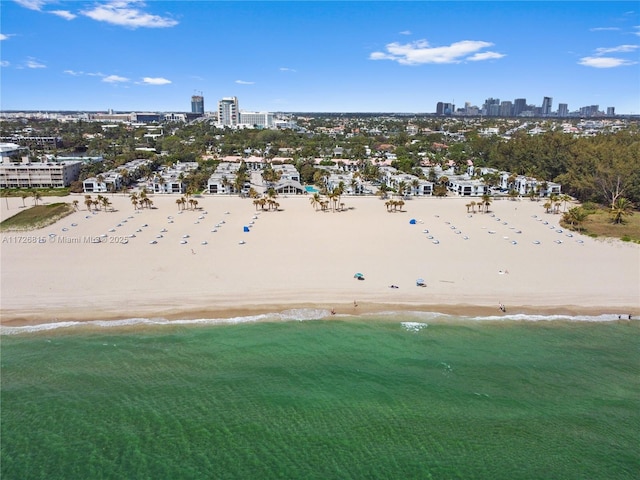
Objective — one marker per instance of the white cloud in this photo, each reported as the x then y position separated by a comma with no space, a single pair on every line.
604,29
618,49
64,14
155,81
637,32
75,73
4,63
599,60
115,79
32,4
33,63
485,56
128,13
4,37
405,32
286,69
604,62
244,82
420,52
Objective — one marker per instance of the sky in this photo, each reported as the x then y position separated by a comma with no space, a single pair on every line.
306,56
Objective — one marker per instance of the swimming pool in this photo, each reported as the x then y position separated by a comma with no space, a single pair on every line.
311,189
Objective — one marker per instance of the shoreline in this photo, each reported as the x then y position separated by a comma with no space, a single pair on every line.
222,315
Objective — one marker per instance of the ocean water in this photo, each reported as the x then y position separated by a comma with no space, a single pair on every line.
288,396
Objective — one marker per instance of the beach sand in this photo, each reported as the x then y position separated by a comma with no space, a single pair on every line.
298,257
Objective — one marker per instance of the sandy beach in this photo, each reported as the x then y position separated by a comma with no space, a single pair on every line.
298,257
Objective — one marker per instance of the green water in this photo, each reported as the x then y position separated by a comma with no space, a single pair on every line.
324,400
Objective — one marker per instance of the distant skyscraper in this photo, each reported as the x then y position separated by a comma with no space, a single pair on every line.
197,104
563,110
611,111
546,106
443,108
228,111
519,106
506,109
491,107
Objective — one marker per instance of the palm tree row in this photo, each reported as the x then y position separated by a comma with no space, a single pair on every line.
394,205
141,199
330,200
269,200
182,202
96,203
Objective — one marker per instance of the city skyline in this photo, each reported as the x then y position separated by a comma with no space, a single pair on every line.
317,56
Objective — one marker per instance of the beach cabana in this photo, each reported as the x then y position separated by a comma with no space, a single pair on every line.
412,221
358,276
420,283
245,229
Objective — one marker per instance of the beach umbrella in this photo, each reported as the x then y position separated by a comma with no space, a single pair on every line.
246,229
358,276
412,221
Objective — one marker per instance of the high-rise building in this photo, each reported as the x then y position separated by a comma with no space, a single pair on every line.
491,107
506,109
563,110
546,106
443,108
519,106
197,104
228,112
611,111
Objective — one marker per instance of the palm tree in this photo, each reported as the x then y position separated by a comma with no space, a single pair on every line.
415,184
75,205
575,216
473,206
354,185
547,206
468,205
565,199
486,201
256,203
389,204
88,202
36,197
400,204
105,203
315,200
179,203
620,209
402,187
23,196
382,190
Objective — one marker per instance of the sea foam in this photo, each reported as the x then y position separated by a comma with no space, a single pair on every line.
410,320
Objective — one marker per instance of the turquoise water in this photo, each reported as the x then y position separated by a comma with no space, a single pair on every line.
311,189
387,396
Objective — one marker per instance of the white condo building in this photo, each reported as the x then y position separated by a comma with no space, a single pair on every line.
38,174
228,112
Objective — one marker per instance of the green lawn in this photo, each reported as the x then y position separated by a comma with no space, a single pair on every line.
599,224
37,217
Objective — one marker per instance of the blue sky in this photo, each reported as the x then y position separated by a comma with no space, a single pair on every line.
359,56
